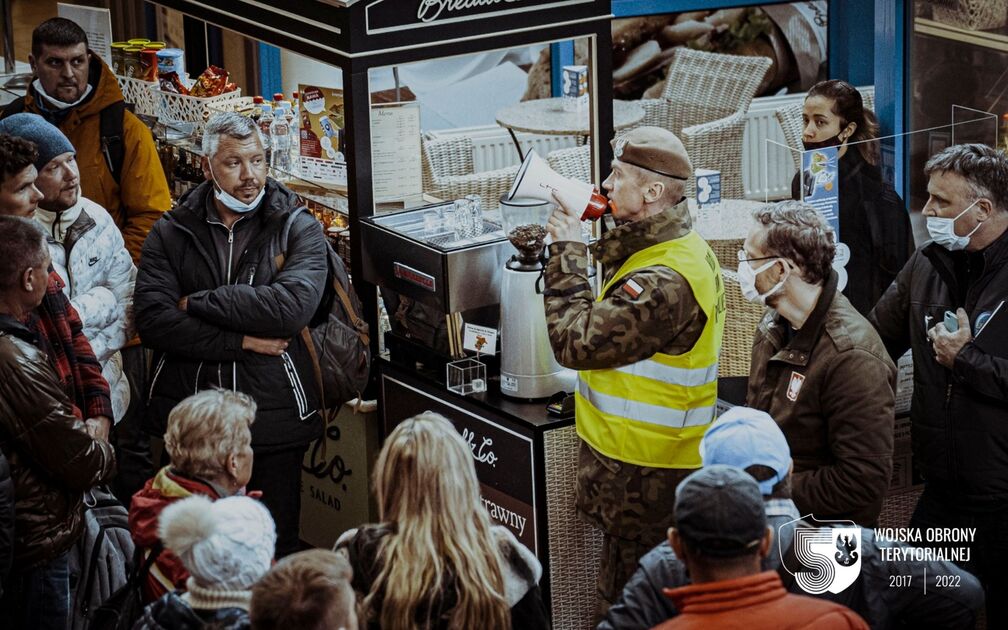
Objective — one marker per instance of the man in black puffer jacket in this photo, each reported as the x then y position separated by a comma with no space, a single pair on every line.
223,304
960,398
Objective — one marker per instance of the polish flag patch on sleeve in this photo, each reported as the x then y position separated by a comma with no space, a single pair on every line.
633,289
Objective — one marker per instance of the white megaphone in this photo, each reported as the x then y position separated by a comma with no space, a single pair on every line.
536,180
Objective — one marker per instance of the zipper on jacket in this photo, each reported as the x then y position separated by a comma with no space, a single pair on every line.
230,252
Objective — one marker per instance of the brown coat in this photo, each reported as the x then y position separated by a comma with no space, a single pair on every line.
52,458
830,388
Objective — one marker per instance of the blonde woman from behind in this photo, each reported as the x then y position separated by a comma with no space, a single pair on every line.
435,562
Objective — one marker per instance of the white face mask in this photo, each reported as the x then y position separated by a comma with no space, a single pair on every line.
231,202
747,281
58,104
942,231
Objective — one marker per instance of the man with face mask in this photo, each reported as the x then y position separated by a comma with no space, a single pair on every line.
227,281
818,367
647,347
960,433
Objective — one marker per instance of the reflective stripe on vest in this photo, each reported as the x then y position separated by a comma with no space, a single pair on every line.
654,412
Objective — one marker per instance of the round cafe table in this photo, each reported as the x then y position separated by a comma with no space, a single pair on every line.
546,116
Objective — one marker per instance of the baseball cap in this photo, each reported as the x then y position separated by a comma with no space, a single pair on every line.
743,437
653,149
719,511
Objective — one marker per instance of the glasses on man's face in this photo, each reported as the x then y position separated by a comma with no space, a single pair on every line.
743,257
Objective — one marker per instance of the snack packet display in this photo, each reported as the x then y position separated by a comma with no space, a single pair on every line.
213,82
170,82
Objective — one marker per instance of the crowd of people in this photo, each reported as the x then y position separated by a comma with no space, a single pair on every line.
123,318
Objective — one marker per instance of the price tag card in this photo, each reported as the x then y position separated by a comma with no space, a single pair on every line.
480,339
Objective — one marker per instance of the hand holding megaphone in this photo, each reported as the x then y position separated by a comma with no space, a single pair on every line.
536,180
563,224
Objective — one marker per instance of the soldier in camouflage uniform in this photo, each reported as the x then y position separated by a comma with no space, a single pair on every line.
654,313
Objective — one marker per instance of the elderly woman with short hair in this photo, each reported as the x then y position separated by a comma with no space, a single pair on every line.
210,446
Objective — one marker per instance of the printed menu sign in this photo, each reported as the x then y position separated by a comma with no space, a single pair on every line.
820,184
321,135
97,23
395,151
820,188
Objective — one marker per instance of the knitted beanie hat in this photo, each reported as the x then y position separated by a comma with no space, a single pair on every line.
49,140
226,544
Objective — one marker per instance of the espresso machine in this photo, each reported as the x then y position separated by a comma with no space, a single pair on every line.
529,369
435,274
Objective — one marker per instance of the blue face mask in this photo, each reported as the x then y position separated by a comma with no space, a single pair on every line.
231,202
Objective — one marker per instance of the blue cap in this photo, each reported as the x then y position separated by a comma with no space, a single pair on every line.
744,437
48,139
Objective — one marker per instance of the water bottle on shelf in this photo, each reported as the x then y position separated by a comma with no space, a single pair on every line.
265,121
295,141
280,140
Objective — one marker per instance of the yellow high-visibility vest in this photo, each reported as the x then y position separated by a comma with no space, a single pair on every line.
654,412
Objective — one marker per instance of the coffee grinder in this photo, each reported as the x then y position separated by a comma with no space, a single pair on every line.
529,369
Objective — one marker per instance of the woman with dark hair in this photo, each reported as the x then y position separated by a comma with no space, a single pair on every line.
874,222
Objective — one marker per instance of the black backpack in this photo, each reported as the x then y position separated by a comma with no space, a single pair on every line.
110,129
337,337
122,609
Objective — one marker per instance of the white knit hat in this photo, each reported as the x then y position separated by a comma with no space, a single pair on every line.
225,544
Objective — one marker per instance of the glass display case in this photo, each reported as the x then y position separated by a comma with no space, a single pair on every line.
441,255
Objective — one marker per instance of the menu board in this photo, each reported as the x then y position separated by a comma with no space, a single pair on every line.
395,151
97,23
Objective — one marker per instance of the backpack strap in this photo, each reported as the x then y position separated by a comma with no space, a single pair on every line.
358,322
280,259
113,145
14,107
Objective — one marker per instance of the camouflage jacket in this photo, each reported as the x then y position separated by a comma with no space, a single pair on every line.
622,328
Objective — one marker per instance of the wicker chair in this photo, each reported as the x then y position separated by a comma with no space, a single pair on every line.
704,102
741,319
717,144
572,162
448,172
790,119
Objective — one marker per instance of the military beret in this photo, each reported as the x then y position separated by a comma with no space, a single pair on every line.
653,149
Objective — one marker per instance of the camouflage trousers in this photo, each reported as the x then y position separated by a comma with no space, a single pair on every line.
632,505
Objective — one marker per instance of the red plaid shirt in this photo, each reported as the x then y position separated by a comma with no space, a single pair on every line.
62,338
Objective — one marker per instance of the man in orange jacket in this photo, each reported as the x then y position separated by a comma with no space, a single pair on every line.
119,170
721,532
